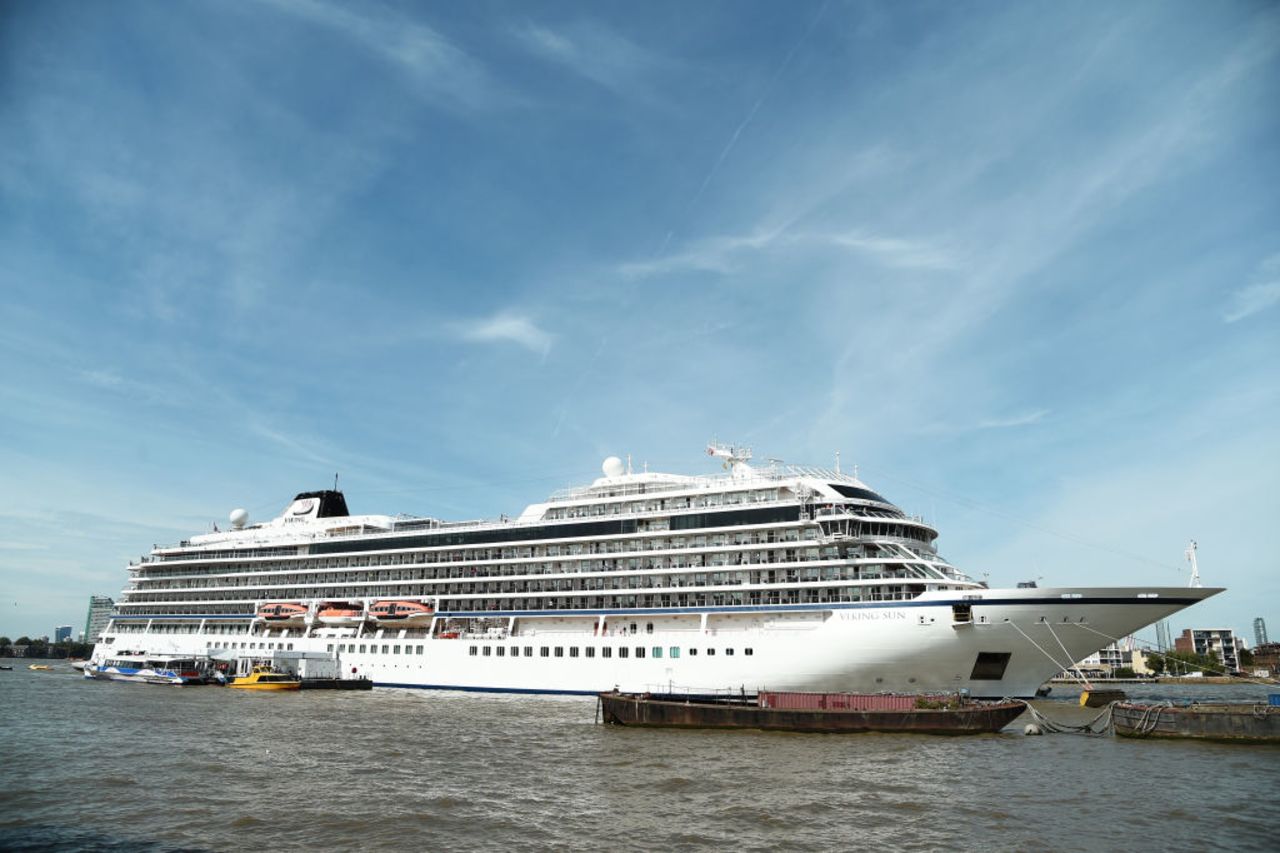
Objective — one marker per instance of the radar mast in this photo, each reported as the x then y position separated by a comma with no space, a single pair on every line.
735,457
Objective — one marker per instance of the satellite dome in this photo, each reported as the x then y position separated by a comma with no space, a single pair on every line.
239,517
613,467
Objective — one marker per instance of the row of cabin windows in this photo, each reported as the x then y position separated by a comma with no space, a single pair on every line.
781,534
454,564
681,596
372,648
651,504
286,647
590,651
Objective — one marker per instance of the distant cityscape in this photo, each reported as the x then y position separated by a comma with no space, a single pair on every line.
1196,652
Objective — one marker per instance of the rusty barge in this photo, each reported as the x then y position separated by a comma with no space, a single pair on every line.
1246,723
811,712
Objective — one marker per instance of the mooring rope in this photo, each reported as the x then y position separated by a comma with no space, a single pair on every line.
1087,685
1099,725
1052,659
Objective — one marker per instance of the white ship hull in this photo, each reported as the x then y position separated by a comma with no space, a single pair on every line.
1016,640
790,578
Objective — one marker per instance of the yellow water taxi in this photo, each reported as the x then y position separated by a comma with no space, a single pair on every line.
40,667
266,678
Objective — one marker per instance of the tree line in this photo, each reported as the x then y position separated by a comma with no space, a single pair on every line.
42,648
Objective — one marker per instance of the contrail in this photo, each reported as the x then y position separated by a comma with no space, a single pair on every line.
756,108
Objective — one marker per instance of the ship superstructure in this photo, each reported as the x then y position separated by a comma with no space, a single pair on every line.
780,577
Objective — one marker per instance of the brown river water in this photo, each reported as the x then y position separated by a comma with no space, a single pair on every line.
108,766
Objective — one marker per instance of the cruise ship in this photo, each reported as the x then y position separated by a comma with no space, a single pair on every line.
777,577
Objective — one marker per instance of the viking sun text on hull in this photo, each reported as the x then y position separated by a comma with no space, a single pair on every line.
779,578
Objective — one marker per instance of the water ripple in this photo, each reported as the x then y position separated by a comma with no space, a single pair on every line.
157,769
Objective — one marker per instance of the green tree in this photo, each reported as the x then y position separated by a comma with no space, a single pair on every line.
1246,656
1180,663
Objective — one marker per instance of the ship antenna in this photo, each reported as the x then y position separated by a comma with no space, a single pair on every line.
335,481
837,463
1195,570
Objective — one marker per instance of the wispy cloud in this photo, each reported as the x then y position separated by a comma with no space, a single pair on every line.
1023,419
434,65
725,254
894,251
508,328
597,53
1248,301
1259,296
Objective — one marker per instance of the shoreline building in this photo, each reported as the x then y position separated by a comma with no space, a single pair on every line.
1220,643
1119,655
98,617
62,633
1259,632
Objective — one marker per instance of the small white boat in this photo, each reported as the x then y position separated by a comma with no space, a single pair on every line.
147,669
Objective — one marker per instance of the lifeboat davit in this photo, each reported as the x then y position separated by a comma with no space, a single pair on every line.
401,611
340,613
282,612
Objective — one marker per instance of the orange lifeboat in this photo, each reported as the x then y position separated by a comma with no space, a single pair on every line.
282,611
401,611
340,613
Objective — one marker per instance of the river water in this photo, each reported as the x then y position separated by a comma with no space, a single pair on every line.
108,766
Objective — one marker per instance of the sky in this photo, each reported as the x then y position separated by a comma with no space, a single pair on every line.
1017,262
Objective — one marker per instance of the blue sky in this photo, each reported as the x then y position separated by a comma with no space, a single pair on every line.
1018,262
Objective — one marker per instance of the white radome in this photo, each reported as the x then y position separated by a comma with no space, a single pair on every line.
613,467
239,517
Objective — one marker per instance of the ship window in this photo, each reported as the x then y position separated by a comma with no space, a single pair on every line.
648,628
639,651
728,651
559,651
418,649
711,651
329,647
674,652
502,651
528,651
573,651
472,651
362,648
693,652
748,651
657,651
396,650
990,666
290,647
384,649
487,651
546,652
622,651
591,651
